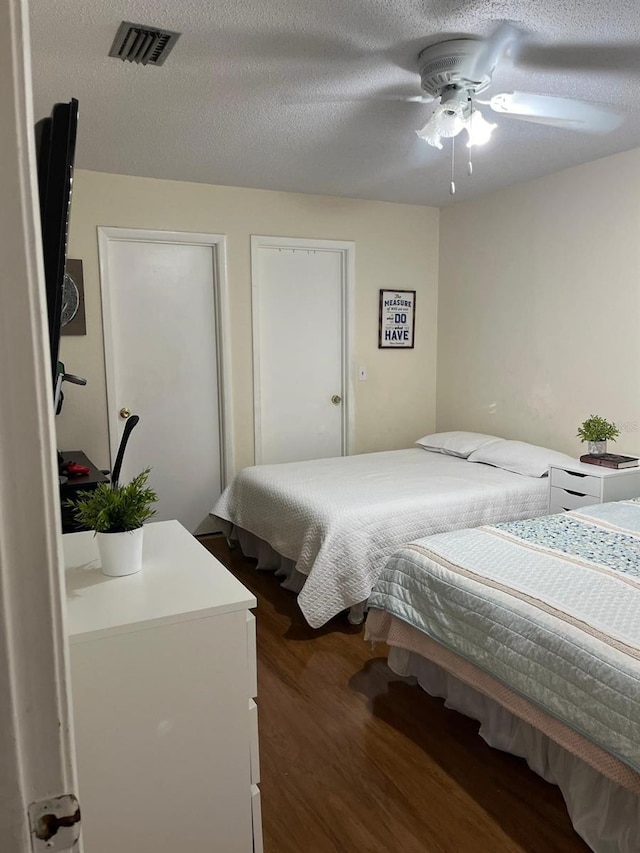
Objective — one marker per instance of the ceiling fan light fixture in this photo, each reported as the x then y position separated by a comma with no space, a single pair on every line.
446,121
449,123
430,135
479,129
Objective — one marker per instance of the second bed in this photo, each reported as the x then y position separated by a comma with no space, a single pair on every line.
533,628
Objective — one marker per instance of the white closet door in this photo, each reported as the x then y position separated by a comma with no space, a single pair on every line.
300,387
162,361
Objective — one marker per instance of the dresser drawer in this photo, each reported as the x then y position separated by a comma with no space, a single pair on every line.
252,662
561,499
584,484
256,813
254,749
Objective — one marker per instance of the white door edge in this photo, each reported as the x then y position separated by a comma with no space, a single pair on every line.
348,251
218,245
36,742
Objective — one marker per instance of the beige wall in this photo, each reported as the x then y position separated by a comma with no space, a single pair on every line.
539,307
396,247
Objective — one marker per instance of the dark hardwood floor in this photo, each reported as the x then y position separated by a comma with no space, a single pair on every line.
355,759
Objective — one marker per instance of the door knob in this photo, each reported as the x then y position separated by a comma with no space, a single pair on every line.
336,399
124,412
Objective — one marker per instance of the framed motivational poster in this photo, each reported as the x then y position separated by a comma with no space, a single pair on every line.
397,319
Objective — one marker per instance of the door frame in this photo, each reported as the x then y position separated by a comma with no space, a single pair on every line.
36,737
218,245
347,250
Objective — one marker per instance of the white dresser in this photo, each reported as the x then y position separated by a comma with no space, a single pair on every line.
579,484
163,677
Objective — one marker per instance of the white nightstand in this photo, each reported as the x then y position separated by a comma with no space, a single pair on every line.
578,484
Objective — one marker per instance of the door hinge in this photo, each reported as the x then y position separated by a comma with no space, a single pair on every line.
55,824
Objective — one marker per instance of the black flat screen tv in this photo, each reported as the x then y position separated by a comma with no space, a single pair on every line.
56,147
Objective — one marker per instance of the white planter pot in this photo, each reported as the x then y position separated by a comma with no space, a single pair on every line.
597,448
120,553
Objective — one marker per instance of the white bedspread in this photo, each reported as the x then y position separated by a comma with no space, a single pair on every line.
340,519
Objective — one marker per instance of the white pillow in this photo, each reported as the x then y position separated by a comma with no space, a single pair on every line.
520,457
456,443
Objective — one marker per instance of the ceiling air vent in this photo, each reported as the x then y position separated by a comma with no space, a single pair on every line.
143,44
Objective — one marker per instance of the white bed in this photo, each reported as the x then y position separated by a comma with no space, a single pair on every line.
330,524
533,628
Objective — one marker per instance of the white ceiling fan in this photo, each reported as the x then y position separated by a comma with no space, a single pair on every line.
454,72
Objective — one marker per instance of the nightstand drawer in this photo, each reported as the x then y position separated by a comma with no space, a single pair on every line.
576,482
561,499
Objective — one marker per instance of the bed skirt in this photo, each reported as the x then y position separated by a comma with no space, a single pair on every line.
604,807
270,560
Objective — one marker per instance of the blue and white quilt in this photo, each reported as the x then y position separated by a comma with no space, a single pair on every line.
550,606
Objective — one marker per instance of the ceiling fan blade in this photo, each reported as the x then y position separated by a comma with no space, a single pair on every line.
320,98
558,112
491,50
602,58
407,99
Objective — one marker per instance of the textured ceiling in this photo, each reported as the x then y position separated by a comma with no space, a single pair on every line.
275,93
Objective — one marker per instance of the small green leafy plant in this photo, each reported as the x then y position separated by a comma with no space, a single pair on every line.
115,509
596,428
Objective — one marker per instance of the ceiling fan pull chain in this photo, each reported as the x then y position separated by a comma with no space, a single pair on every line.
452,185
469,163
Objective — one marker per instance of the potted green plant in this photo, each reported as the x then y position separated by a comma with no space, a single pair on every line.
116,513
597,431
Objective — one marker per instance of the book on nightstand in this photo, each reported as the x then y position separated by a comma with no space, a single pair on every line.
610,460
